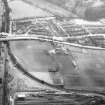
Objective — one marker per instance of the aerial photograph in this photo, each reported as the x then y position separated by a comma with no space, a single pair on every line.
52,52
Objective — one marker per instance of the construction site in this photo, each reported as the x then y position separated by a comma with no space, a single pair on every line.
52,53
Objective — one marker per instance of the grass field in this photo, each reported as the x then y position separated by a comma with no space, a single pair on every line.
34,57
20,9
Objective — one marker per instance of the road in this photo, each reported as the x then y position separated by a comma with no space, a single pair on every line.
1,54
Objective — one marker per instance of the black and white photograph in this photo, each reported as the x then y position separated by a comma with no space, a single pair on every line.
52,52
